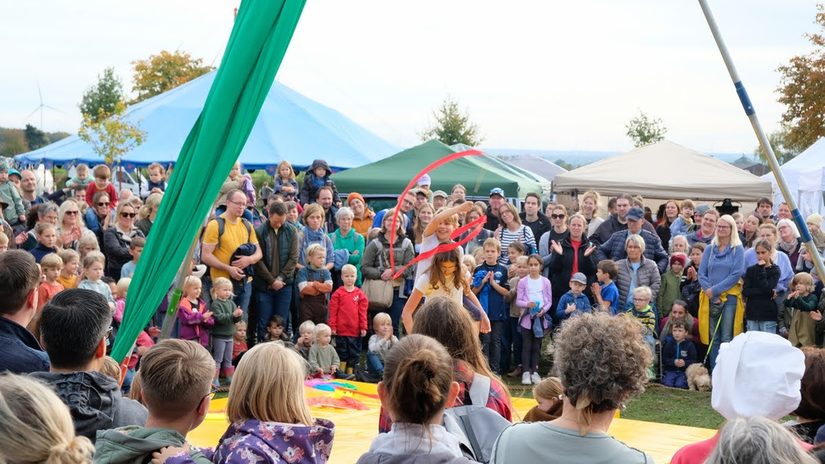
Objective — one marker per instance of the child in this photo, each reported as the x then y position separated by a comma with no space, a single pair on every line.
268,413
69,277
313,233
225,314
535,298
304,342
175,387
796,322
276,331
195,321
761,311
314,281
643,311
490,287
4,242
520,266
93,276
690,286
677,354
87,244
548,394
81,179
46,241
514,251
681,225
51,264
323,360
285,183
292,215
135,249
121,290
348,318
605,290
14,212
101,184
380,344
157,181
574,301
239,346
671,288
317,176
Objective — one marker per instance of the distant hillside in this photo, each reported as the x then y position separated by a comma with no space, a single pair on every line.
14,141
581,157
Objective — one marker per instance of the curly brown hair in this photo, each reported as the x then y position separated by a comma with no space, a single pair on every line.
602,362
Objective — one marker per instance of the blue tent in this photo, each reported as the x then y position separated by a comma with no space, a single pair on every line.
290,127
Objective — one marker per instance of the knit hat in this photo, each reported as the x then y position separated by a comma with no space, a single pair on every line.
757,374
678,258
354,196
814,218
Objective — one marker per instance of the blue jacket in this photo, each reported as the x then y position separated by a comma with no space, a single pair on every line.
673,350
19,351
613,248
582,305
720,270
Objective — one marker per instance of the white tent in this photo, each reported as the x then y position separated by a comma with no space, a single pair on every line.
537,165
665,170
804,177
810,192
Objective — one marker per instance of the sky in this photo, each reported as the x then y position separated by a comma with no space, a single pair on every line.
533,74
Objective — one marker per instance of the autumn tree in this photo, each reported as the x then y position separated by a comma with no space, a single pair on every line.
165,71
111,136
101,99
644,130
452,126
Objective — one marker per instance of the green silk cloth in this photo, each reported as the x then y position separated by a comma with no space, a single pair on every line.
257,45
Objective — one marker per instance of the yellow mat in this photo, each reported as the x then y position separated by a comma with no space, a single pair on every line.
354,430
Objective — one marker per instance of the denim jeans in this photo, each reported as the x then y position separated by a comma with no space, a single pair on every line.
395,311
761,326
242,298
725,332
374,363
270,303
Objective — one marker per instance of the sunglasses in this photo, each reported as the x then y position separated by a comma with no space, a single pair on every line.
102,204
72,212
557,216
128,215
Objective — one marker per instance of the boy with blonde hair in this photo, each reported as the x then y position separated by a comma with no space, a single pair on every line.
323,359
69,277
51,264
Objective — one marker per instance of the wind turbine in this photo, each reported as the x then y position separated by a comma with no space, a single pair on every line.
41,107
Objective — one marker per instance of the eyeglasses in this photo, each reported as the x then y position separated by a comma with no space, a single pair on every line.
128,215
72,212
557,216
102,204
641,299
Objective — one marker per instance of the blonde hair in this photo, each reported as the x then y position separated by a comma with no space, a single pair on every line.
805,279
4,239
350,268
381,318
217,284
152,204
175,376
643,291
313,208
734,233
123,286
110,368
269,386
85,241
322,329
306,326
36,426
191,281
548,389
282,164
492,242
51,261
157,166
67,255
93,257
314,249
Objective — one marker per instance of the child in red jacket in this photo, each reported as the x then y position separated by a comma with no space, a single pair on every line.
348,318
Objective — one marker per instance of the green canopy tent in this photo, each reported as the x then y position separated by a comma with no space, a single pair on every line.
479,174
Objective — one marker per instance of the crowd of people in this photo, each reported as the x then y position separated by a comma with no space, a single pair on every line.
292,282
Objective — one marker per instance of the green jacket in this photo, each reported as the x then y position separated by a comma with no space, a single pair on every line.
135,444
669,292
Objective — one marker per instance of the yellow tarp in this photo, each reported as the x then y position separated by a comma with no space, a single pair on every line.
354,430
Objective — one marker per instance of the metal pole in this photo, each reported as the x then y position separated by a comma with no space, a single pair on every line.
763,142
176,293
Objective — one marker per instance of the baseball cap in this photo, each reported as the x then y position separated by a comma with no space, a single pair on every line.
15,172
579,277
440,193
498,191
635,214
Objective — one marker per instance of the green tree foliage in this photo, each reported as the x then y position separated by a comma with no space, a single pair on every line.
165,71
35,138
780,149
802,91
111,136
12,142
100,100
644,130
452,126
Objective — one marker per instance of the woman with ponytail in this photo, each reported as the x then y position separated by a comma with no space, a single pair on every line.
418,386
35,426
601,361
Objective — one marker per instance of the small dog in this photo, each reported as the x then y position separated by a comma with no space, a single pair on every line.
697,377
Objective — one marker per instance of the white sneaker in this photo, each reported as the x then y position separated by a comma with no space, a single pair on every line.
536,378
525,378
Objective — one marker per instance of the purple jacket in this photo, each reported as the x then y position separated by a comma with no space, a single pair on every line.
523,301
192,324
252,441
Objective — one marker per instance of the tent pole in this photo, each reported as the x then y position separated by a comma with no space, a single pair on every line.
763,141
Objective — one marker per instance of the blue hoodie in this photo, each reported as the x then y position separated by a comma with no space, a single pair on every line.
581,301
720,270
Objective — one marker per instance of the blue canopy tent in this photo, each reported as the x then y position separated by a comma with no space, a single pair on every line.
290,127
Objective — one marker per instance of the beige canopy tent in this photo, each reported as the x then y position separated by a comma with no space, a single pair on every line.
664,170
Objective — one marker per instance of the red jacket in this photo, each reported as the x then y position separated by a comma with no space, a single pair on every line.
348,312
91,189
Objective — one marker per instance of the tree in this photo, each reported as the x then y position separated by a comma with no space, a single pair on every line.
35,138
111,136
780,148
100,100
802,90
643,130
452,126
12,142
165,71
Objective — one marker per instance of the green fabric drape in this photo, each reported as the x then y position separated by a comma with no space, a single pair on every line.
256,47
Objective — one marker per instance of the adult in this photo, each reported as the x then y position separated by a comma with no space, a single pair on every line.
532,216
707,228
511,230
439,199
617,221
28,190
116,239
275,271
758,440
591,396
19,277
588,206
348,242
423,218
218,250
783,211
407,209
809,416
614,248
497,198
74,328
376,264
46,213
324,197
636,271
573,254
750,230
721,310
789,242
478,241
663,223
148,213
449,324
362,216
557,233
422,197
764,210
99,216
458,192
70,226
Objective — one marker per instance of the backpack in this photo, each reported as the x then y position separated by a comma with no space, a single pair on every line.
475,425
